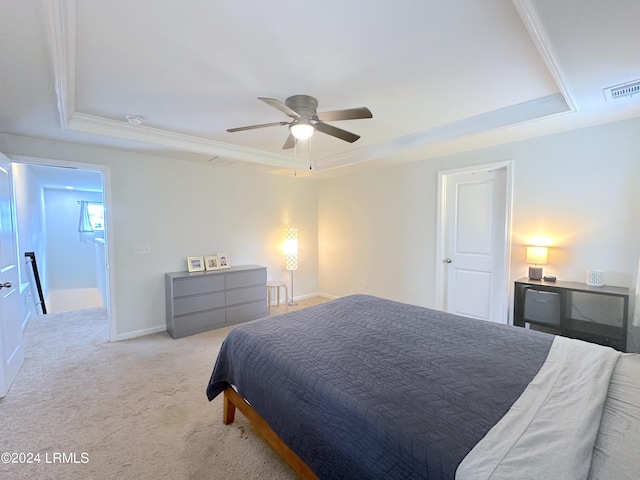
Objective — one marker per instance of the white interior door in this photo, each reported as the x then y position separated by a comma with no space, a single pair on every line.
475,246
11,345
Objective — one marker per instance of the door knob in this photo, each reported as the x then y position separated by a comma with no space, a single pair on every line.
5,285
448,260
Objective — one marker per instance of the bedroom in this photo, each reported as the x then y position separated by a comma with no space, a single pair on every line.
555,178
527,78
573,186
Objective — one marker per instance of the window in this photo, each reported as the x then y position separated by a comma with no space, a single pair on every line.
96,215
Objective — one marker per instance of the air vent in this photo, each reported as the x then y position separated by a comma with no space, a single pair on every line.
625,90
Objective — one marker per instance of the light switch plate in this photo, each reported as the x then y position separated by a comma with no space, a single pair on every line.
142,249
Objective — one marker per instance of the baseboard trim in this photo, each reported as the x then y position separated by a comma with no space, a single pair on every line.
312,295
163,328
326,295
140,333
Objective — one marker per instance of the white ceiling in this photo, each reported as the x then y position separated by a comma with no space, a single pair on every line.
56,177
440,76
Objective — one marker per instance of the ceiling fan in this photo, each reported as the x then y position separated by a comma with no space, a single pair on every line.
306,120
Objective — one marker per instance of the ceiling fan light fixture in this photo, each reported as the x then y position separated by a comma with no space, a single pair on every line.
303,110
301,129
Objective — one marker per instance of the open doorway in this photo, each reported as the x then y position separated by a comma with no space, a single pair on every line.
51,204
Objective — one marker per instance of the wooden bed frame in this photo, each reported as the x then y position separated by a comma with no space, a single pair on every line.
233,400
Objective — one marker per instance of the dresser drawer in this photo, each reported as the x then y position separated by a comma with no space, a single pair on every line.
198,303
244,295
249,277
197,284
197,323
246,311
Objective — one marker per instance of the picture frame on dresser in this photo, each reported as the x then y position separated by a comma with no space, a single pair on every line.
223,260
211,262
195,264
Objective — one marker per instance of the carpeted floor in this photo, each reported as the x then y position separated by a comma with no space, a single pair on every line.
134,409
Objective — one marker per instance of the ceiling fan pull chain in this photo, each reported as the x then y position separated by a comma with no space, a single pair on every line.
295,155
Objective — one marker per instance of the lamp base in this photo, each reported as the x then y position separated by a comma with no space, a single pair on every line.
291,302
535,273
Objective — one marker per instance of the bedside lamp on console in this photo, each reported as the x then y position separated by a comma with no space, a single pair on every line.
537,255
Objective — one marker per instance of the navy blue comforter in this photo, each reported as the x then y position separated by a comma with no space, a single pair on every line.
367,388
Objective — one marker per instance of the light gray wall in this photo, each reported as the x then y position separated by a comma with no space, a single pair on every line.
375,228
578,188
71,258
184,208
377,233
31,221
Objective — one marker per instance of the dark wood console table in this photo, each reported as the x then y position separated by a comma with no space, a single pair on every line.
576,310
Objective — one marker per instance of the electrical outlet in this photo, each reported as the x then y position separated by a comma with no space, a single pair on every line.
142,249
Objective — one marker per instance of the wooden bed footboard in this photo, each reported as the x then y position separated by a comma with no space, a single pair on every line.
233,400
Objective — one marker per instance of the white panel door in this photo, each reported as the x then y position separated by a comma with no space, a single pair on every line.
475,229
11,347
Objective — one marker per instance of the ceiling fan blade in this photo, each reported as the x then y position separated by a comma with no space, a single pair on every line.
336,132
347,114
290,143
262,125
277,104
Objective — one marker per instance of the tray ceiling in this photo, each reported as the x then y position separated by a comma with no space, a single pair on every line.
439,76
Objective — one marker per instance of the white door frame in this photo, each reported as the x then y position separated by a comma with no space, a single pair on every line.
440,265
11,338
109,234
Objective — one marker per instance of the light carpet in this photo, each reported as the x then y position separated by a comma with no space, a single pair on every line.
133,409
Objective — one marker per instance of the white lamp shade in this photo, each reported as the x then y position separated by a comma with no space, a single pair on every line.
290,248
537,255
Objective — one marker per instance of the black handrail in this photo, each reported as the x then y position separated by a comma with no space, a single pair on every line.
34,265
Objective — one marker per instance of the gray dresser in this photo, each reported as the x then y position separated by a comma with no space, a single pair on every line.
201,301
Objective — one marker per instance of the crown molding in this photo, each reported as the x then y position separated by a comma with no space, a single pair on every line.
532,110
83,122
62,37
540,39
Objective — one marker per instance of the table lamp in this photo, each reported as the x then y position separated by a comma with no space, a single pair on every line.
537,255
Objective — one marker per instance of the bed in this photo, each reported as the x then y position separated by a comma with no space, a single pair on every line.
365,388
